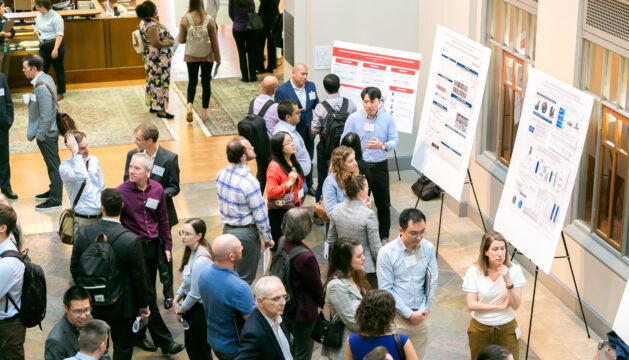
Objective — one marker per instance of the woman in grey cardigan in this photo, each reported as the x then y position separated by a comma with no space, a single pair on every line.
354,219
195,258
345,287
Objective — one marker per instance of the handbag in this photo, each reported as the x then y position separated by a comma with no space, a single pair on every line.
285,202
64,121
254,22
66,220
320,211
328,333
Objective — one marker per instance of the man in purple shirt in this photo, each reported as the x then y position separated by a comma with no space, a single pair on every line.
269,85
144,213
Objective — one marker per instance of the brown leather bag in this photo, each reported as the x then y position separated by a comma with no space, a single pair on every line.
65,122
320,211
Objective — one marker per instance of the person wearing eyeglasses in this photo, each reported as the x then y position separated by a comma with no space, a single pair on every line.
265,335
63,340
407,268
196,256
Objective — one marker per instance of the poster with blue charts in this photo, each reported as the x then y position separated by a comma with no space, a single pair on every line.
544,166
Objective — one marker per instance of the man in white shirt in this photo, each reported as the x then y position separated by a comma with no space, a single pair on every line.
83,180
211,7
265,323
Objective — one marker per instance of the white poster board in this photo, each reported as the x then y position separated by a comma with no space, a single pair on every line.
621,323
543,168
394,72
452,104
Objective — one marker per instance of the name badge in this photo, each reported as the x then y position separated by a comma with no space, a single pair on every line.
410,260
518,332
186,270
370,127
312,95
1,91
33,98
26,98
157,170
300,194
152,203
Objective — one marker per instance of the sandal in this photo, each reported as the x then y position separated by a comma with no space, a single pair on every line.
189,116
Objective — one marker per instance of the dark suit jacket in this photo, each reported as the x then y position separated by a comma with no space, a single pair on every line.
63,342
169,161
258,340
130,261
6,121
268,11
286,92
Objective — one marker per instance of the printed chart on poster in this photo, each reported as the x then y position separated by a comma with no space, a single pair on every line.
543,168
621,323
452,104
394,72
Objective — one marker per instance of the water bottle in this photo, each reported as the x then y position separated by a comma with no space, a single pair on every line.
184,323
138,324
162,268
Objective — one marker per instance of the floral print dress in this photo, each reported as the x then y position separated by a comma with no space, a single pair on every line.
157,67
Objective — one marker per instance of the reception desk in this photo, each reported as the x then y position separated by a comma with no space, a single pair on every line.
98,46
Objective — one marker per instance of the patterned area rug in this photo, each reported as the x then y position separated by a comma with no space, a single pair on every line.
107,115
228,105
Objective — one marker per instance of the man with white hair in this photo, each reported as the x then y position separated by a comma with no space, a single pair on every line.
227,299
264,335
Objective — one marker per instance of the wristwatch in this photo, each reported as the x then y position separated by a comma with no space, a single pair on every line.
510,286
384,147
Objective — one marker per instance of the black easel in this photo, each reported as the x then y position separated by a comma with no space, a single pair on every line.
399,178
469,176
567,256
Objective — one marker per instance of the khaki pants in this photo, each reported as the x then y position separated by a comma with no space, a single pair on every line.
417,334
480,335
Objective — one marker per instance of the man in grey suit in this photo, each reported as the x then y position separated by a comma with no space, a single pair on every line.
6,120
63,340
42,124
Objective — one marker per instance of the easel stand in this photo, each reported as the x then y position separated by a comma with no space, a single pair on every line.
399,178
567,256
441,211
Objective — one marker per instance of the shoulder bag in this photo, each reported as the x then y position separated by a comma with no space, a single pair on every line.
65,123
66,220
399,346
327,332
320,210
254,22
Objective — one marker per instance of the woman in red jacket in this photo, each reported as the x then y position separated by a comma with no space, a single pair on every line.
283,177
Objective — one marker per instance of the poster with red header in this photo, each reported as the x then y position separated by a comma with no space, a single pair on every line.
394,72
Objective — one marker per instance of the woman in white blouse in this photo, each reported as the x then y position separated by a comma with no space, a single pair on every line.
49,29
493,287
195,258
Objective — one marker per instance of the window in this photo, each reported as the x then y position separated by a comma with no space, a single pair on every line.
511,36
602,206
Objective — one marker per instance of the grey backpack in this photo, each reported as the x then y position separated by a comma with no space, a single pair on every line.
198,40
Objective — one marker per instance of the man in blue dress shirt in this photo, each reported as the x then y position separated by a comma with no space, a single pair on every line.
378,135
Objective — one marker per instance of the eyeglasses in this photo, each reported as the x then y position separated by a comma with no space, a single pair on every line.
417,234
79,312
185,234
278,298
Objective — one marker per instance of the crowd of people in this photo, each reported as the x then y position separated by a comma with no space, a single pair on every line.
378,291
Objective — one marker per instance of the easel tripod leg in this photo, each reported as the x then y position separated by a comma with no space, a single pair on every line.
576,289
439,231
528,340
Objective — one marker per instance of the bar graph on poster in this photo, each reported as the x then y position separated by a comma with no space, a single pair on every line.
394,72
452,104
544,166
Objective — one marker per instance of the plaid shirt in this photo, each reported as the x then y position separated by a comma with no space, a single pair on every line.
240,200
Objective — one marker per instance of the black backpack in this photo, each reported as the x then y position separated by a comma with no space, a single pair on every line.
33,307
98,271
280,267
253,128
334,125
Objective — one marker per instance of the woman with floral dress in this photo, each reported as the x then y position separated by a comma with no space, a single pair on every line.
158,43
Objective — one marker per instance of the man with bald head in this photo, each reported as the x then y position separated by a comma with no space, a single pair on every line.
304,92
227,299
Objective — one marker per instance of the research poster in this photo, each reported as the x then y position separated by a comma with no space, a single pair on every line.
452,104
621,323
544,165
394,72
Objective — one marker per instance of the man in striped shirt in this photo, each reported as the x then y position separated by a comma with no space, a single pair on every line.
242,207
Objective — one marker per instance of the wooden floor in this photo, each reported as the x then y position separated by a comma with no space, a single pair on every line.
200,157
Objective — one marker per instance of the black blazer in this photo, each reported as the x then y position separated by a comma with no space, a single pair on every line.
258,340
130,260
63,342
169,180
6,120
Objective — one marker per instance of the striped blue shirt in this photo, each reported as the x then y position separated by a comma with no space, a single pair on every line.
240,200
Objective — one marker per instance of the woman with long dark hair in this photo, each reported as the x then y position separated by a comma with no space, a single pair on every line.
245,39
196,256
283,178
345,286
199,56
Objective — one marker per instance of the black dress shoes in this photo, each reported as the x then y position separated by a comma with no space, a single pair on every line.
172,348
168,303
311,191
9,194
146,345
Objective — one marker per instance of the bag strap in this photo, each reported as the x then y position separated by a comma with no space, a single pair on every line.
206,20
327,107
52,95
251,107
78,196
399,346
345,105
266,107
19,256
296,251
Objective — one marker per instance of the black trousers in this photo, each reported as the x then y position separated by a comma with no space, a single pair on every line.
122,337
159,332
275,221
303,343
5,168
45,51
322,169
196,337
49,149
167,287
263,36
12,336
262,164
303,129
193,80
381,195
245,43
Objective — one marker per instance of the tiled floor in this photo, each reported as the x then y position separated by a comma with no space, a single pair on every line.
557,333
